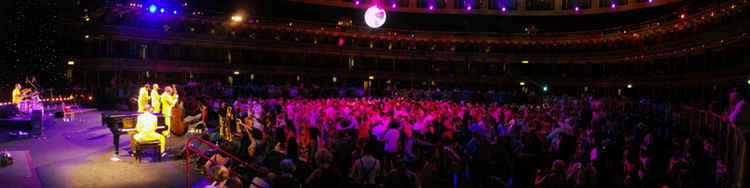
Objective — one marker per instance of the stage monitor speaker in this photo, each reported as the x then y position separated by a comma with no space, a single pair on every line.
7,111
36,122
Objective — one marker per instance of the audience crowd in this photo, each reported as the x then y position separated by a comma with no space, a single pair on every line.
408,142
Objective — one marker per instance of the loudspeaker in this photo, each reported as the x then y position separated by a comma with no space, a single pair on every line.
36,122
7,111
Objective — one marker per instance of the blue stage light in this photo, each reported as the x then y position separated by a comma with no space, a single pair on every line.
152,8
161,10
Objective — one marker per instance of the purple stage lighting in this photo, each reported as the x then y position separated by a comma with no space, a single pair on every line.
152,8
161,10
174,12
356,2
432,7
468,8
576,9
613,5
504,9
394,5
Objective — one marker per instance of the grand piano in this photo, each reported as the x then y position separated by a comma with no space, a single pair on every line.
120,123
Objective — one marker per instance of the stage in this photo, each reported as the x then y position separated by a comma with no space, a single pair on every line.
79,153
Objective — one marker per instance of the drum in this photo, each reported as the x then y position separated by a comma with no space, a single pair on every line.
178,126
24,106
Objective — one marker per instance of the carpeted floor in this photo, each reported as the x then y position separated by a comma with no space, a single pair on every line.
79,153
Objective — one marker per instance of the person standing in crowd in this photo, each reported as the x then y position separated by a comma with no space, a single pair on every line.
478,150
401,177
217,178
739,113
366,169
323,175
391,139
287,179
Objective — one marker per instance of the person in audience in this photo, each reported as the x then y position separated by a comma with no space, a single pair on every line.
323,175
739,112
366,169
261,181
401,177
220,157
556,178
287,179
233,182
217,178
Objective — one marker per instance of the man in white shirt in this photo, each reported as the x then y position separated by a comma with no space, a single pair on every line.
366,169
391,145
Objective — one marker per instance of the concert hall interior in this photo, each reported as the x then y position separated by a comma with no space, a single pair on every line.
374,93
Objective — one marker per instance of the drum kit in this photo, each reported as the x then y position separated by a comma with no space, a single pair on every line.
30,103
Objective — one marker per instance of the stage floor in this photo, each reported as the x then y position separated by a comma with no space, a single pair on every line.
80,154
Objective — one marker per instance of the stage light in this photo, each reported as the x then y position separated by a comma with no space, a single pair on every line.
431,7
544,88
525,62
161,10
87,36
682,16
522,83
174,12
650,1
71,62
334,79
504,9
748,81
372,77
630,86
576,9
375,17
613,5
394,5
152,8
468,8
356,2
236,72
237,18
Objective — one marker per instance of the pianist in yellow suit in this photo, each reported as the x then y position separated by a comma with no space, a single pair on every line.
146,128
168,100
143,98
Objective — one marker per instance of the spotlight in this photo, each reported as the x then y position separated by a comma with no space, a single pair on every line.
468,8
236,72
576,9
71,62
152,8
174,12
161,10
613,5
544,88
522,83
503,9
356,2
630,86
432,7
372,77
650,1
394,5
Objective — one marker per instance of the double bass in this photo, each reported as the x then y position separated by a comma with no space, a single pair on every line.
178,126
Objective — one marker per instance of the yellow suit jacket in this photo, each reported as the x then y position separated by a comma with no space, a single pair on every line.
155,102
167,103
146,127
142,99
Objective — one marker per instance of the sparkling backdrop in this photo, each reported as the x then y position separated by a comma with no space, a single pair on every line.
28,44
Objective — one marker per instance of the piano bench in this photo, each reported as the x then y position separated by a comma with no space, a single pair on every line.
150,144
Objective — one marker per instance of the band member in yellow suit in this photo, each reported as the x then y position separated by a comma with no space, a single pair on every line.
168,100
155,98
143,98
146,127
17,95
